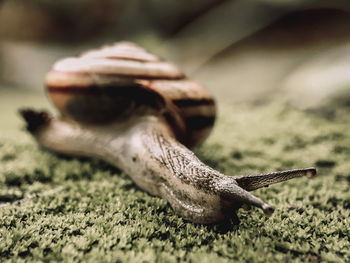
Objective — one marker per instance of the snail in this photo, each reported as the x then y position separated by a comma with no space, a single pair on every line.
141,114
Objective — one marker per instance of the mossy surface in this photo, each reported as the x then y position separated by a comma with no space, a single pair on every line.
62,209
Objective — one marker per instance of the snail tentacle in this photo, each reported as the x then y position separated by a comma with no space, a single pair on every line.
234,192
253,182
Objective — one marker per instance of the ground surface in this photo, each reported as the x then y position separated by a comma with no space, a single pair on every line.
82,210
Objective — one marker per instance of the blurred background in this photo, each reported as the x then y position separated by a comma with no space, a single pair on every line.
241,50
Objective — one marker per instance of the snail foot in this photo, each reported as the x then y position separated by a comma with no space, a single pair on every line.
34,119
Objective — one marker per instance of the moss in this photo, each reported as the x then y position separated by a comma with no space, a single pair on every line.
63,209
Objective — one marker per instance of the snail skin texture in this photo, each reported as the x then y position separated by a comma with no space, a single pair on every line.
127,107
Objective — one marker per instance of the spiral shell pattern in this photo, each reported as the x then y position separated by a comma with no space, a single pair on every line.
125,64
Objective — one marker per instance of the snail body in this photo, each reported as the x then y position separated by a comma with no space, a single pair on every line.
127,107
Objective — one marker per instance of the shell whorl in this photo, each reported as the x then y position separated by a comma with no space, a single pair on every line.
122,60
126,65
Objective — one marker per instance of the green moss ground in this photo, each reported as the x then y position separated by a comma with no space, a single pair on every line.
82,210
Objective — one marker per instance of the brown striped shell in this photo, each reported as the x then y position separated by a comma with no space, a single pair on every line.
100,84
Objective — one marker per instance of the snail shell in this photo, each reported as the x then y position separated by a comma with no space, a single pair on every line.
130,73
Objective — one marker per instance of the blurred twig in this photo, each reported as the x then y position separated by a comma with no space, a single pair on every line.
204,10
218,29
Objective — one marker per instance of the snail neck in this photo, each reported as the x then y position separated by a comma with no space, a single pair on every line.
146,149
